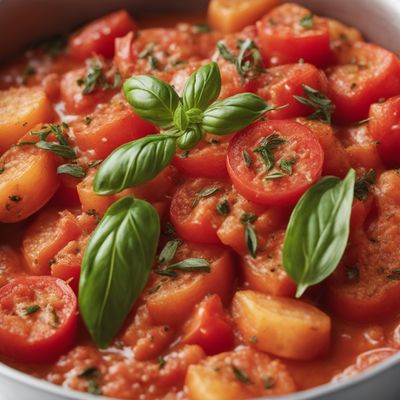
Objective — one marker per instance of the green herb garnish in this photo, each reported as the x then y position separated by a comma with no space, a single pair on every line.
206,192
71,169
241,375
362,185
266,147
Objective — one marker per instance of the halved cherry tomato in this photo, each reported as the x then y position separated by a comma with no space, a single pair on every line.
384,127
249,172
194,212
279,84
169,294
290,33
207,159
38,318
98,37
241,374
265,273
209,327
367,74
108,127
46,236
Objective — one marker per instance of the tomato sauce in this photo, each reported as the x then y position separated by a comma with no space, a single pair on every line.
229,326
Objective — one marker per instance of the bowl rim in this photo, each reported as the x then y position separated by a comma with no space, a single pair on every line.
309,394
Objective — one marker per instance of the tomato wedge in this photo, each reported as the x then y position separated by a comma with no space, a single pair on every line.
38,318
294,164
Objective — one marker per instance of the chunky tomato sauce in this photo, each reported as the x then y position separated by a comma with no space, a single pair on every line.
231,326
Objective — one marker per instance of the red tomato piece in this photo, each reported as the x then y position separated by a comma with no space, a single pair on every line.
46,236
279,84
290,33
207,159
10,264
194,211
248,170
38,318
98,37
209,327
367,74
384,127
110,126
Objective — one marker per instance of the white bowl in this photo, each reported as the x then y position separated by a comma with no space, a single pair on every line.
21,21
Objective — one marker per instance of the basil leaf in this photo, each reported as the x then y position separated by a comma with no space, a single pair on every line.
234,113
202,88
59,149
116,266
318,230
71,169
134,163
151,98
191,138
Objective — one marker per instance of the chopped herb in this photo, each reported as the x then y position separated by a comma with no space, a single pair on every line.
241,375
184,154
395,275
307,21
202,28
287,165
161,362
250,238
88,120
31,309
59,149
319,101
168,252
15,198
154,289
153,61
269,382
362,185
275,175
178,62
91,372
266,146
169,230
363,121
253,339
352,273
71,169
92,164
223,207
93,388
147,51
247,158
94,76
248,63
248,218
204,193
191,264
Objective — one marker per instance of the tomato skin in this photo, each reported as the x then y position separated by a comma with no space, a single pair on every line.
384,127
98,37
281,83
368,73
250,182
44,346
285,41
209,327
198,224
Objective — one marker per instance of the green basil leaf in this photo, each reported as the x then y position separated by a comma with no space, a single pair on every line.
202,88
71,169
151,98
116,266
191,138
134,163
181,120
318,230
234,113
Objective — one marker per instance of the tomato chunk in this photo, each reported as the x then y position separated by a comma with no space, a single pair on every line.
279,84
209,327
384,127
38,318
241,374
194,209
183,292
255,173
10,264
47,235
284,327
108,127
98,37
290,33
367,73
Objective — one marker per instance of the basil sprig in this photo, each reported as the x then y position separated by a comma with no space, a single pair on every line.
116,266
318,231
185,121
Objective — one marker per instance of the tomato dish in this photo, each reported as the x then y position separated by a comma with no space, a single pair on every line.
203,210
